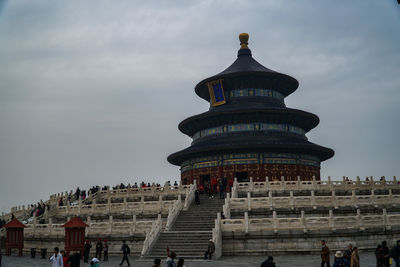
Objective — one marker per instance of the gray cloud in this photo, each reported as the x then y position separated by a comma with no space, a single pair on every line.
92,93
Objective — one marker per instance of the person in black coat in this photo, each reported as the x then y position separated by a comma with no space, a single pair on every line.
99,249
268,262
395,253
86,251
197,197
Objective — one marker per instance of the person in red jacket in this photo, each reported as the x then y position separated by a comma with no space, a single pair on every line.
65,258
214,185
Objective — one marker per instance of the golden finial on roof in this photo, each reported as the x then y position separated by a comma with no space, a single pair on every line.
244,38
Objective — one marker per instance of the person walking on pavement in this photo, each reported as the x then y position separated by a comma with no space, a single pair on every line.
210,250
99,249
86,251
125,252
355,258
395,253
105,250
56,259
324,254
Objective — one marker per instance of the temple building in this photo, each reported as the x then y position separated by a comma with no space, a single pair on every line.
248,130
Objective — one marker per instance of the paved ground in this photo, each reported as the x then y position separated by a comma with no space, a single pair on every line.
367,260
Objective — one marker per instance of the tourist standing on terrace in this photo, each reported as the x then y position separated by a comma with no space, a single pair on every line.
348,252
380,257
268,262
324,254
125,251
214,184
355,258
395,253
56,259
386,253
86,251
99,249
197,197
105,250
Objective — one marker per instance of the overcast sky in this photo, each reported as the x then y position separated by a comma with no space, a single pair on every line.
91,92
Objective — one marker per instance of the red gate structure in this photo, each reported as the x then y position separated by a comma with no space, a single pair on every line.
75,235
15,236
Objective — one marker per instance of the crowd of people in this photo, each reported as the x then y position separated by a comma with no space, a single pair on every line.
351,258
216,186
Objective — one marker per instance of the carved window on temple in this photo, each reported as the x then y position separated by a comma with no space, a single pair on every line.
250,127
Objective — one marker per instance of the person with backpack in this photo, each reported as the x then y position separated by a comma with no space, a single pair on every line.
340,261
125,251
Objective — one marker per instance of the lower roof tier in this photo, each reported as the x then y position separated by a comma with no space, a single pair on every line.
240,143
295,117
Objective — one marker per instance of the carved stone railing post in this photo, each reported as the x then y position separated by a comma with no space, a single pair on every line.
133,225
110,224
249,201
359,220
125,204
160,203
266,186
291,200
190,195
246,222
217,237
251,184
334,199
274,221
313,204
227,207
303,222
373,199
354,198
385,220
394,180
282,182
270,200
298,182
331,220
50,226
235,188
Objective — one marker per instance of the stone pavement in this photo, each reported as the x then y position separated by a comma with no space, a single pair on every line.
367,260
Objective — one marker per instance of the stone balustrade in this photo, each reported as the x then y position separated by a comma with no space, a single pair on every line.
140,207
104,228
312,201
22,211
305,223
313,184
152,235
145,191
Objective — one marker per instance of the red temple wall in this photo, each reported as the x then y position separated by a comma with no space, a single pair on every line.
257,171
